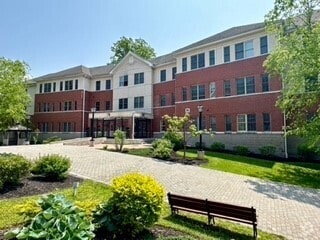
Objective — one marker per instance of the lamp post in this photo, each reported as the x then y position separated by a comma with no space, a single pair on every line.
93,110
200,152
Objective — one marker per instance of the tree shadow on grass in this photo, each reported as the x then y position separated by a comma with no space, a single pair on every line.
216,232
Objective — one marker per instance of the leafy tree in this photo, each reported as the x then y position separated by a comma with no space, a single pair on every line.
296,60
182,125
14,98
137,46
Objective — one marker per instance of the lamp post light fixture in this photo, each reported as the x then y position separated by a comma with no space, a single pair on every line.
200,151
93,110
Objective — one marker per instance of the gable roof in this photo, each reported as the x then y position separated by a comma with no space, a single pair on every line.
163,59
101,70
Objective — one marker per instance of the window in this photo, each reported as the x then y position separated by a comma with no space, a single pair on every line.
212,90
201,60
244,50
163,75
226,54
228,123
213,124
123,103
184,64
227,88
246,122
60,106
40,88
139,102
123,81
108,84
54,86
194,62
266,122
163,126
68,85
198,92
67,126
108,105
212,57
97,106
53,107
184,94
174,72
248,46
76,84
239,51
67,106
138,78
245,85
46,107
265,83
75,105
98,85
61,86
263,45
163,101
197,61
45,127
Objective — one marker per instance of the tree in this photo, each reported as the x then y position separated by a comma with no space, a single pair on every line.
137,46
296,60
14,98
183,125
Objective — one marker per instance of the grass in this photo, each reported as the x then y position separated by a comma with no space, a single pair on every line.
192,225
301,174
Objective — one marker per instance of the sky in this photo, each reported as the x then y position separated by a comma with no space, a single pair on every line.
53,35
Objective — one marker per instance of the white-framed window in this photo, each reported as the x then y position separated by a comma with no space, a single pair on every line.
245,85
139,78
123,103
123,81
244,50
67,127
212,90
246,123
68,85
139,102
198,92
213,123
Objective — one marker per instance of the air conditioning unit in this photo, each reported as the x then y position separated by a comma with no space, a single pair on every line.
187,110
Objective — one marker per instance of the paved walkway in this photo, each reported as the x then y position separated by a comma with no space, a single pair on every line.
287,210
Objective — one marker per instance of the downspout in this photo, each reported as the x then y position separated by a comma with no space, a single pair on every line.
132,134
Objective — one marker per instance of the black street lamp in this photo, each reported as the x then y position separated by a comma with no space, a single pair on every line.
200,109
93,110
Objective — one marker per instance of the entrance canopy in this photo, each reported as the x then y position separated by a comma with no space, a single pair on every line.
122,114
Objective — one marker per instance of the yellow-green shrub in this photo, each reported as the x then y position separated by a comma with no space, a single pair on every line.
29,209
135,204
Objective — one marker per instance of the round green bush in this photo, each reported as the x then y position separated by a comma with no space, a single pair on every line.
53,167
162,148
135,204
12,169
175,138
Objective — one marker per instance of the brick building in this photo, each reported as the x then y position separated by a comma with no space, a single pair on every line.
223,73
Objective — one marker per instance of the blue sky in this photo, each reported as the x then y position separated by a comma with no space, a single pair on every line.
52,35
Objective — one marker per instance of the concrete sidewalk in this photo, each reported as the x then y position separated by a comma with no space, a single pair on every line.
287,210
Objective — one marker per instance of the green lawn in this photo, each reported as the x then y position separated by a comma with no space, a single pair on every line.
301,174
192,225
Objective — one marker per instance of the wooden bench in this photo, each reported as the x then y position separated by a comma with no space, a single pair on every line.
214,209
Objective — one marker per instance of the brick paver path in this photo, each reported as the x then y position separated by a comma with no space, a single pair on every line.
290,211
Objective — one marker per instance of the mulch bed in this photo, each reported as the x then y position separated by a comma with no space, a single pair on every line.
37,185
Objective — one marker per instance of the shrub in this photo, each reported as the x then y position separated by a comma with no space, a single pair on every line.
29,209
197,145
12,169
175,138
307,152
52,167
268,151
135,204
241,150
218,147
162,148
58,219
119,137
